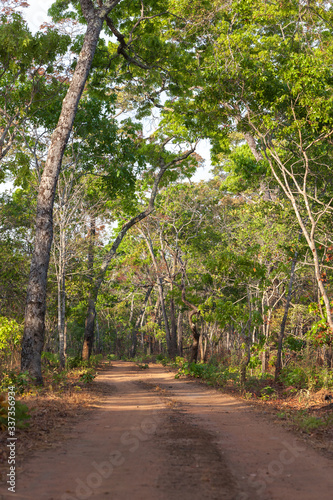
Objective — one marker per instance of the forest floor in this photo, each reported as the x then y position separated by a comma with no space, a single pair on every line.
142,434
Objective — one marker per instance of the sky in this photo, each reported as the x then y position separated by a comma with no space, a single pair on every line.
36,14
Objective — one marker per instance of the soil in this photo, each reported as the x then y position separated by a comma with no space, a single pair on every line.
152,437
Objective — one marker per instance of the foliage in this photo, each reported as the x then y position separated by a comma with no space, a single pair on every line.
142,366
111,357
50,359
88,375
74,362
10,334
320,333
95,360
302,376
31,79
21,414
20,380
214,375
309,423
253,77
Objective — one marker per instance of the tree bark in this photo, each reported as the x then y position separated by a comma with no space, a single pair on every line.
193,312
62,298
278,364
165,317
170,346
195,336
246,360
138,321
173,331
34,328
180,334
88,340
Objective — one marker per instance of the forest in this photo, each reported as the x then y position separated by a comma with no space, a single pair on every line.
107,245
173,325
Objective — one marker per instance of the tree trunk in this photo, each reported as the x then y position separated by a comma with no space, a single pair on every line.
165,317
248,338
62,299
138,322
34,328
278,364
173,332
89,328
201,347
329,356
171,352
194,312
98,336
309,235
195,336
244,365
180,334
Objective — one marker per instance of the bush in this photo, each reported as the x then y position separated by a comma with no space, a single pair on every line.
111,357
60,378
309,423
73,362
307,377
165,361
295,376
50,359
215,375
10,334
95,360
21,414
87,376
20,380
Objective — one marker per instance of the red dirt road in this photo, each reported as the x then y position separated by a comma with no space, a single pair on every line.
157,438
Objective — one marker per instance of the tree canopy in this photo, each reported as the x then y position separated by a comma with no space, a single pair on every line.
101,112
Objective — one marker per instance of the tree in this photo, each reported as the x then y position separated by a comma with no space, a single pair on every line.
87,12
30,78
165,161
264,70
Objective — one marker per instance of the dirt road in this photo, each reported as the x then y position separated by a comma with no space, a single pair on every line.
157,438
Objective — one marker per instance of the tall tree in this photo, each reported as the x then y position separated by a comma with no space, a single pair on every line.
264,70
32,76
166,161
94,14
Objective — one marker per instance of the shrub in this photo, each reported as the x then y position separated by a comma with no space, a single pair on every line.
88,376
111,357
10,334
142,366
60,378
95,360
73,362
214,375
50,359
20,380
309,423
21,414
295,376
307,377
